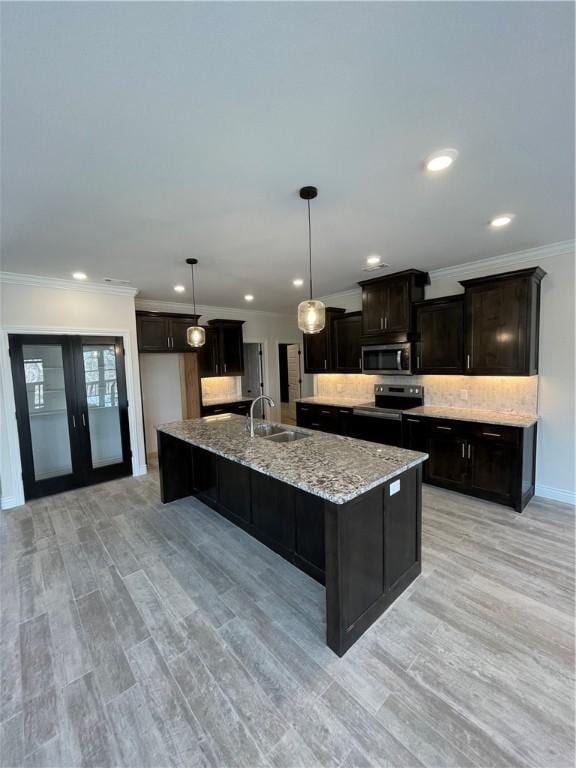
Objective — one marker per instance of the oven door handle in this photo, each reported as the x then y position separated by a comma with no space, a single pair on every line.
399,359
375,415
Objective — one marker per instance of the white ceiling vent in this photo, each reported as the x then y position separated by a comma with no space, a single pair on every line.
115,281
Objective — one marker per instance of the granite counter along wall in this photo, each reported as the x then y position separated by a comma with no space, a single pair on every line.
509,394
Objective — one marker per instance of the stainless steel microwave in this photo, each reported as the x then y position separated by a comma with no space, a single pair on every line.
387,359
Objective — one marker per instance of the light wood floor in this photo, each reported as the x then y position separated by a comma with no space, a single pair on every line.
140,635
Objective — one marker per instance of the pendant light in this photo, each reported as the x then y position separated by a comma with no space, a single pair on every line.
195,334
311,313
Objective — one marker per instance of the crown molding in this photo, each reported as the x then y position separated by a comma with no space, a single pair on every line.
334,296
41,281
505,261
204,310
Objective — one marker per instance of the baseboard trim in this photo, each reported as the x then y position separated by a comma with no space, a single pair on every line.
556,494
138,471
7,502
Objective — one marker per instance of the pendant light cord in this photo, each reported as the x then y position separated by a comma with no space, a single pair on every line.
193,291
310,246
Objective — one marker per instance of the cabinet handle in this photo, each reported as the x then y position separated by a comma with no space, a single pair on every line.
329,413
417,421
417,361
342,410
74,421
325,364
467,361
491,434
83,421
469,450
448,429
381,324
386,322
314,424
360,363
463,450
224,367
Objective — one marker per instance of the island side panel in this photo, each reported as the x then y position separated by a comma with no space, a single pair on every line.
175,467
373,552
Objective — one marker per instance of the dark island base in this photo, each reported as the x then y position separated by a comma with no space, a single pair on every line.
366,552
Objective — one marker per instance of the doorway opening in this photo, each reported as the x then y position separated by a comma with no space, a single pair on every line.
253,376
290,380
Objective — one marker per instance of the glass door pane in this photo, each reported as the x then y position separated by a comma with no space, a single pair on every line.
101,384
47,409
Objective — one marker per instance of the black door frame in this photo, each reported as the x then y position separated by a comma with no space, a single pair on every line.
77,411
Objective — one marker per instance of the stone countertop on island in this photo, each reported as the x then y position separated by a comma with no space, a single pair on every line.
469,414
334,467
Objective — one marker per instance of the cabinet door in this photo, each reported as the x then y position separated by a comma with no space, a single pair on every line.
316,357
207,355
447,465
231,351
309,548
415,434
397,307
234,489
374,300
205,474
303,415
347,353
497,337
178,328
440,329
493,465
273,511
153,333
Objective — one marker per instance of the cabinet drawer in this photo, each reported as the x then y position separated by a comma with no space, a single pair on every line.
495,432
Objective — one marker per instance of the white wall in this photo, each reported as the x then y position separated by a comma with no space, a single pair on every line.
555,467
160,373
43,305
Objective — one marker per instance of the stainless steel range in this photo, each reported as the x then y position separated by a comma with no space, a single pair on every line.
381,420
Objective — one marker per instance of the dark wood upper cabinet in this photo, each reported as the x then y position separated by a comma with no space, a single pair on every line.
319,347
208,354
153,333
387,306
347,351
502,323
163,332
440,335
221,355
230,349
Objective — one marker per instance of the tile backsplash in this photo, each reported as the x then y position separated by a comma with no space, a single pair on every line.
509,394
214,387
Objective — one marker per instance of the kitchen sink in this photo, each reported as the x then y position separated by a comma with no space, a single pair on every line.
285,436
267,430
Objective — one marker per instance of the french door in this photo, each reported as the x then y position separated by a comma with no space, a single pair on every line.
71,409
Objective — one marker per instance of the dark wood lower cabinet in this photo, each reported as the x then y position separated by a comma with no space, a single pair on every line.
241,407
365,552
491,461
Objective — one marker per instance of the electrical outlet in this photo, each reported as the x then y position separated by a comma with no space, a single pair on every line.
463,394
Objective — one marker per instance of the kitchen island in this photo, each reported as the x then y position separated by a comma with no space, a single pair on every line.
345,511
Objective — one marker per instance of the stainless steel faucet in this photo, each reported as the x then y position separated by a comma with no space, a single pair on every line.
261,397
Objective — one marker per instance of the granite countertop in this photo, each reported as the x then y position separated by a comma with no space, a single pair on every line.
225,399
333,467
345,402
469,414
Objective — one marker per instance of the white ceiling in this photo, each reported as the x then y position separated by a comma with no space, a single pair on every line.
138,134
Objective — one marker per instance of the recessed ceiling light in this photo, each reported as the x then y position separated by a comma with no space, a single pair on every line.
249,297
441,160
179,288
373,259
502,220
79,275
298,282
